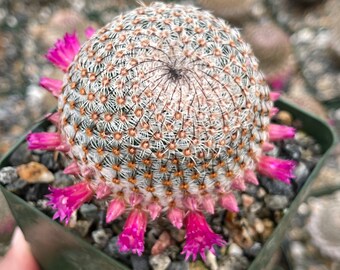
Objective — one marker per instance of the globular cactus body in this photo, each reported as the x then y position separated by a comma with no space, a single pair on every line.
162,110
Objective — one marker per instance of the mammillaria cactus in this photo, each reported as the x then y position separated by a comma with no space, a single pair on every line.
163,111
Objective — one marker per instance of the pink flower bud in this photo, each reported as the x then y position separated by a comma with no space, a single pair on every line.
73,168
191,203
228,201
54,118
89,31
273,111
208,204
52,85
280,132
102,190
238,184
176,215
135,199
266,146
154,210
250,176
274,96
115,209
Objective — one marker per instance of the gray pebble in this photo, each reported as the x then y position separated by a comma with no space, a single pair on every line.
49,161
159,262
82,227
112,250
292,150
276,187
100,237
20,156
139,262
234,262
8,175
235,250
276,202
179,265
89,211
62,180
253,250
301,174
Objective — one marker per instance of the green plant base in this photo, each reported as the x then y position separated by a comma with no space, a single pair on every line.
56,248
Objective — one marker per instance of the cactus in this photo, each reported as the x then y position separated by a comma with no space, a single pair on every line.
163,111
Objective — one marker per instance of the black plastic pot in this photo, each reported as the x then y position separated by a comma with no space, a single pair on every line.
56,248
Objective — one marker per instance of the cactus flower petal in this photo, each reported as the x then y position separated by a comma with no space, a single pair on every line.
115,209
102,190
250,177
199,236
274,96
176,216
52,85
73,168
228,201
209,204
89,31
64,51
154,210
238,184
280,132
132,236
273,111
67,200
54,118
276,168
267,146
44,140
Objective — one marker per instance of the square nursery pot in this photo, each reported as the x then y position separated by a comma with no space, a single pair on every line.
56,248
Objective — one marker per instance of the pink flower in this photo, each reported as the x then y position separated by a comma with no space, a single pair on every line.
250,177
238,184
208,204
199,236
228,201
276,168
176,216
67,200
267,146
273,111
73,168
52,85
64,51
102,190
115,209
154,210
89,31
280,132
44,140
132,236
54,118
274,96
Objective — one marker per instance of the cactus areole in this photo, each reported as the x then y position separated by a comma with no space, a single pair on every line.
162,112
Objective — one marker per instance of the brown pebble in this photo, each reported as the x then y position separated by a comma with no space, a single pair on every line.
247,200
285,118
35,172
161,244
